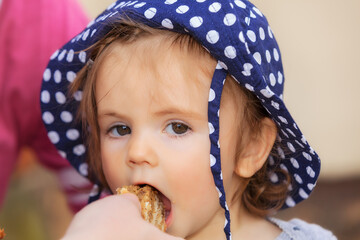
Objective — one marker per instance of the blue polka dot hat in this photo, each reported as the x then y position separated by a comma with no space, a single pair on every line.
237,35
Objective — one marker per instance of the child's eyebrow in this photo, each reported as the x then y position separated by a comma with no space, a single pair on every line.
182,112
168,111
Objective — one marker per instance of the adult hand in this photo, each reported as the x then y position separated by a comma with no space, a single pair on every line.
114,217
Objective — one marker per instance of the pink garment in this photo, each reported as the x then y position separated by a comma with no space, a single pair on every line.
30,31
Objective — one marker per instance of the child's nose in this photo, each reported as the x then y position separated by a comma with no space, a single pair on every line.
141,151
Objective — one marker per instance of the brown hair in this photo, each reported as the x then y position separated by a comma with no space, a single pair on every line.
260,197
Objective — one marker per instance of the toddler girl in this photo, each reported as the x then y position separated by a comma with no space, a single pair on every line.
163,89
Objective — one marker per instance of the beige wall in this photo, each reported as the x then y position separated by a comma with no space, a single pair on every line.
320,45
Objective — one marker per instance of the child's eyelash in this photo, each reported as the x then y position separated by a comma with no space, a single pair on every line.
177,129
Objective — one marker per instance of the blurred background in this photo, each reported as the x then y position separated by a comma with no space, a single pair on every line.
319,42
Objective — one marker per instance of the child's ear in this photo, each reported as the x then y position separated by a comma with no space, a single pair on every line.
256,150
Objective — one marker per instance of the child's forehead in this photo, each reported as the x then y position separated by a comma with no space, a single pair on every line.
160,55
157,68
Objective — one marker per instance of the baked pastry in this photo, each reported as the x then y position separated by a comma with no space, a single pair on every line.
152,208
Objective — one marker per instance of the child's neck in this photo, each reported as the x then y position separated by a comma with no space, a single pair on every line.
244,225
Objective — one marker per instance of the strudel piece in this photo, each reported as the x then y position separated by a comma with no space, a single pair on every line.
152,208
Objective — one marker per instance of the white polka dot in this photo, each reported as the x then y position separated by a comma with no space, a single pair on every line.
212,160
182,9
167,23
274,178
229,19
200,1
226,222
72,134
66,116
294,162
249,87
83,169
139,5
45,96
247,21
220,194
82,57
57,76
70,56
247,69
307,156
120,5
94,191
215,7
257,57
291,147
79,150
222,65
303,139
276,54
257,11
196,21
271,160
70,76
241,37
290,202
212,36
240,3
62,154
272,79
54,137
291,132
62,55
211,95
251,35
252,15
268,56
211,128
310,171
310,186
275,105
270,32
48,118
60,97
281,153
262,33
85,35
283,167
169,2
78,95
280,78
54,55
298,178
267,92
303,194
47,75
298,143
93,32
230,52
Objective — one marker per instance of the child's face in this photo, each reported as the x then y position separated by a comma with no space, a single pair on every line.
152,111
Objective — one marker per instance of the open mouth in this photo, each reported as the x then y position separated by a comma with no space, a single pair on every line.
160,206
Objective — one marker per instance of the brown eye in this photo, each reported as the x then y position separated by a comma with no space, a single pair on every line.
120,130
178,128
